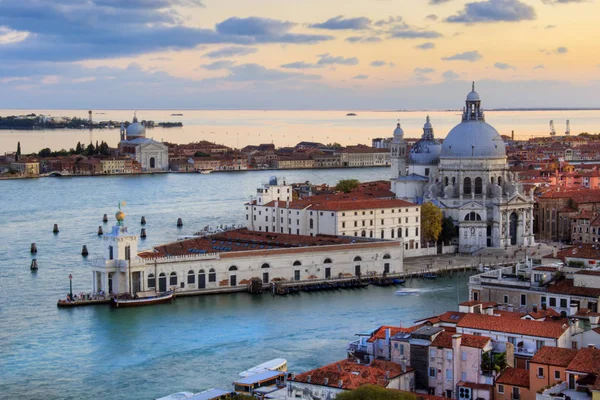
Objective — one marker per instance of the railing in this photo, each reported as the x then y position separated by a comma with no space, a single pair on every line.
187,257
356,347
525,351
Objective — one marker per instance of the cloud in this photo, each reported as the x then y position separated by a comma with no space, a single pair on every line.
504,66
426,46
494,11
361,76
432,17
223,64
561,50
341,23
378,63
232,51
327,59
161,59
550,27
435,2
470,56
363,39
450,75
414,34
300,65
71,30
540,66
259,73
424,70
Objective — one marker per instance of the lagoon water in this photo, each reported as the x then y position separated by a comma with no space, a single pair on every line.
238,128
192,344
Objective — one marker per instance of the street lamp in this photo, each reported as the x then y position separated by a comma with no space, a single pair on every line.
71,286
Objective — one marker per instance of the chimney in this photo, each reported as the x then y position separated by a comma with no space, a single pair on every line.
388,334
308,379
591,346
543,306
340,383
387,375
594,320
535,309
403,363
325,381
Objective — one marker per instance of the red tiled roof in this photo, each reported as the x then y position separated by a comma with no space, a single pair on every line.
587,361
567,287
583,251
579,196
588,272
541,313
512,325
545,268
444,340
351,203
514,377
476,386
379,334
470,303
352,375
560,357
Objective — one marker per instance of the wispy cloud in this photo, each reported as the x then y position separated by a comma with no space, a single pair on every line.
426,46
363,39
504,66
361,76
470,56
232,51
494,11
341,23
450,75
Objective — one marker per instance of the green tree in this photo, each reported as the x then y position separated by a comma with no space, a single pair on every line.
347,185
372,392
201,154
431,222
448,230
90,150
78,148
493,362
45,152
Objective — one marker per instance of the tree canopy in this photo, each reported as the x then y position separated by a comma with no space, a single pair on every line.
431,222
347,185
372,392
448,230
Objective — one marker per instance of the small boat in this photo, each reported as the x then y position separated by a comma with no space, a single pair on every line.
177,396
430,275
165,297
399,281
205,171
351,115
177,115
277,364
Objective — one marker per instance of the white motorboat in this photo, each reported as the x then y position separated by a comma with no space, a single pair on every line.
277,364
407,292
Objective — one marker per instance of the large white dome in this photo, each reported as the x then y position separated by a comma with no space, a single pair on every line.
473,139
135,129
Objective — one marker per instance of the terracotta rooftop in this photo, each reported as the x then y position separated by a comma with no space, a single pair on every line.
560,357
579,196
451,317
244,240
379,334
567,287
514,377
541,313
587,360
444,340
584,251
588,272
512,325
342,203
476,386
352,375
545,268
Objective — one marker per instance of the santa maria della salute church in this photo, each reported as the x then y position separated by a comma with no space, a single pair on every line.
467,176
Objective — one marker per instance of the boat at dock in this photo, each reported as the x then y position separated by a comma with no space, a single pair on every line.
430,275
388,281
166,297
277,364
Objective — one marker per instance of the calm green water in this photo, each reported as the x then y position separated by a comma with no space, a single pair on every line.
192,344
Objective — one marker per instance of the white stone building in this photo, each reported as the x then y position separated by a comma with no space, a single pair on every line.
273,211
469,179
233,258
153,156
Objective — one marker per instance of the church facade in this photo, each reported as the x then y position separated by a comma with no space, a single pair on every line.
467,176
153,156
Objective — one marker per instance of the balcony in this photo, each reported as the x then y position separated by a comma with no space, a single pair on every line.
356,347
561,392
524,351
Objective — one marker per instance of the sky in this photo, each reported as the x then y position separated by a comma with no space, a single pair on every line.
291,54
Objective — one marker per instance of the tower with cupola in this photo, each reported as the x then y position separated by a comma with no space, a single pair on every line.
398,153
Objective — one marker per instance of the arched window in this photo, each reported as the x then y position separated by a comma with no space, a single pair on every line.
162,282
472,216
363,233
310,223
399,232
478,185
387,257
492,180
357,258
446,181
191,277
152,162
233,268
265,266
392,232
296,263
453,181
173,279
467,186
212,276
327,261
500,180
151,281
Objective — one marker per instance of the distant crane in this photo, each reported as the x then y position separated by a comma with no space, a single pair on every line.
552,130
568,131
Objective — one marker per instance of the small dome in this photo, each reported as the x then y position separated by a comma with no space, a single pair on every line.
398,131
120,216
473,95
427,150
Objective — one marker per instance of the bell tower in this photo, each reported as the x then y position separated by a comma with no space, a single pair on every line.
398,153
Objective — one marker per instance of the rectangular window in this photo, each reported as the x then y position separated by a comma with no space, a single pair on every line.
432,372
563,303
540,372
448,354
448,374
505,299
552,301
382,223
464,357
343,224
539,344
432,353
523,299
557,375
543,299
515,393
401,348
463,376
512,340
297,275
500,388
